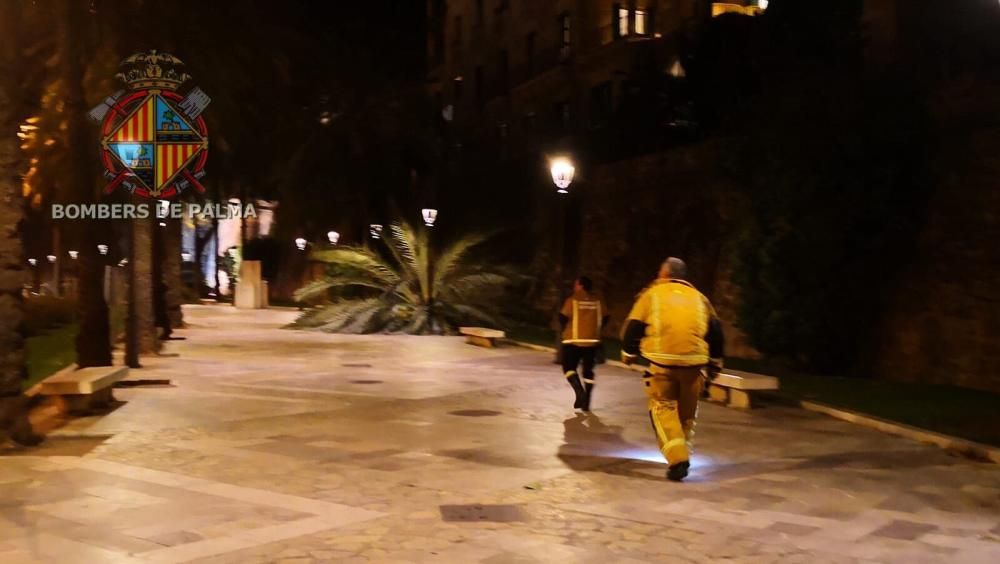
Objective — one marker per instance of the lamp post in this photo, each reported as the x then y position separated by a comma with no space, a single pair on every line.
562,170
301,243
333,237
430,216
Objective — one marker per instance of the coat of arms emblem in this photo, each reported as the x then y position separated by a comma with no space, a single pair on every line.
154,141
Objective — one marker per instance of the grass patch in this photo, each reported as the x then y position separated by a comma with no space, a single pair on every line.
959,412
50,352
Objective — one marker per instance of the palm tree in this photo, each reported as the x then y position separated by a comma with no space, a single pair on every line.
13,414
413,290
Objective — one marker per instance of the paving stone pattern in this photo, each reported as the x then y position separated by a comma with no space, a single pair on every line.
274,445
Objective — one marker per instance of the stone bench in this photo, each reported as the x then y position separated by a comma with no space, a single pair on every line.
83,390
734,387
481,336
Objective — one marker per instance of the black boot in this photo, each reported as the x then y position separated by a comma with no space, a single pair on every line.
678,472
581,394
588,394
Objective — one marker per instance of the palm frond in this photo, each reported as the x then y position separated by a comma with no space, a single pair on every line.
359,258
464,312
411,247
450,259
318,288
339,317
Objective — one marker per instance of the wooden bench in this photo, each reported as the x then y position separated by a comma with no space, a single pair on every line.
480,336
734,387
83,390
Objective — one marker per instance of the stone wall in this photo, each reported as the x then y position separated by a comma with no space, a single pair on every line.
635,213
942,326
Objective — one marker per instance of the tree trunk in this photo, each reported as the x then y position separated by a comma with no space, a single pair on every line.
13,413
142,328
172,273
160,317
93,344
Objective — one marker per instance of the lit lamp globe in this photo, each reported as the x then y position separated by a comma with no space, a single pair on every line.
32,261
376,230
300,244
51,258
333,236
562,170
430,216
74,255
103,249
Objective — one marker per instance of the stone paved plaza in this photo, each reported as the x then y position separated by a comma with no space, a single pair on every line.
272,445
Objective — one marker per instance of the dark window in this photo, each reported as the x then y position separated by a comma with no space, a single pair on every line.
457,85
565,35
458,30
529,54
600,103
480,94
504,73
480,13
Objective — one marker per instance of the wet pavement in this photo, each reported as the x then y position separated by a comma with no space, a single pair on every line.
273,445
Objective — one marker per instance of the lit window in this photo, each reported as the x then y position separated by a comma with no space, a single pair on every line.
640,22
623,21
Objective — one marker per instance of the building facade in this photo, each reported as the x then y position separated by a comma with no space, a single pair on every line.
543,72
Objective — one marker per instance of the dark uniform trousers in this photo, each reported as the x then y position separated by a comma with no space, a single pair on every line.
572,357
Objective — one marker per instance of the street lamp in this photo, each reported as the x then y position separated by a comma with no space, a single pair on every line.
430,216
103,249
376,230
33,262
123,262
300,244
74,254
333,237
51,258
562,170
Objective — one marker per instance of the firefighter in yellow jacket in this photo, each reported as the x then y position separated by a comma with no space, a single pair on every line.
582,318
673,326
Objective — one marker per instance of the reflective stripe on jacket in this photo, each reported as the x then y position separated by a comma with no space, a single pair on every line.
584,313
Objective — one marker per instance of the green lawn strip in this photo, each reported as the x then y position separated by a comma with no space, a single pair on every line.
959,412
50,352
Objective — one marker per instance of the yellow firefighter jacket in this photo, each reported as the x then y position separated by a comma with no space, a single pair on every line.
584,313
677,318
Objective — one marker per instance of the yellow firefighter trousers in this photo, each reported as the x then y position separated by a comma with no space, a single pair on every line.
673,408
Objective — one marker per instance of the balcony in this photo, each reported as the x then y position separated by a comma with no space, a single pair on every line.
752,8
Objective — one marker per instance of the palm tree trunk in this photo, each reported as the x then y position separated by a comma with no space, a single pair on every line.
13,413
142,338
172,273
93,343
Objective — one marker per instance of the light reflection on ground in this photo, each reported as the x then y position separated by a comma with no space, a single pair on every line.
647,454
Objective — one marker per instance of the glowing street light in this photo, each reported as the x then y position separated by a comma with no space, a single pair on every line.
123,262
333,237
74,255
51,258
33,262
562,170
430,216
186,257
300,244
376,230
103,249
